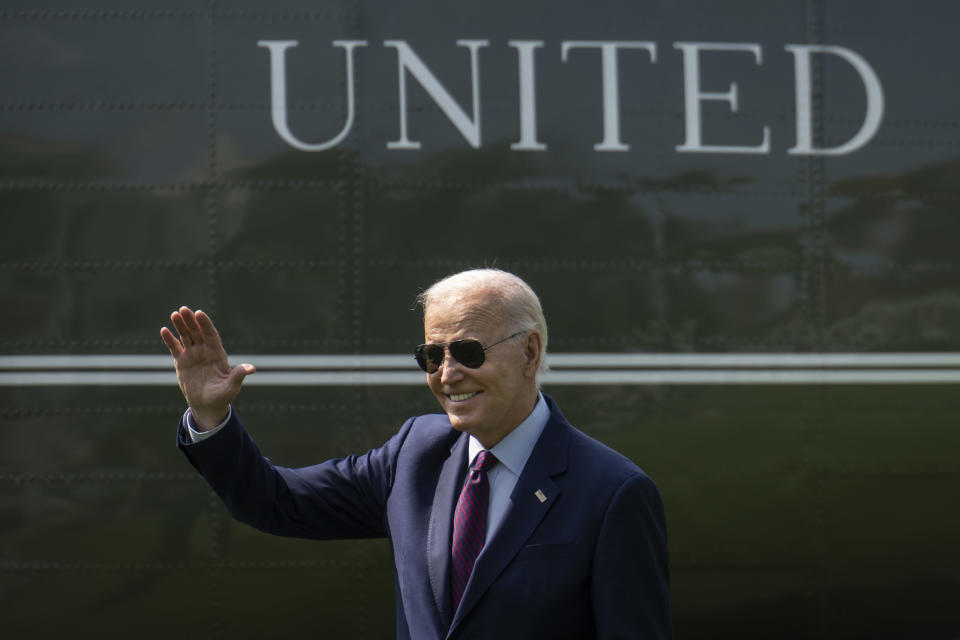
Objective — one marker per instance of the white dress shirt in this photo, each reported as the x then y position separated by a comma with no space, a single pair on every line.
195,434
512,453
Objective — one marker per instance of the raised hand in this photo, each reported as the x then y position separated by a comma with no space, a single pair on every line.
207,380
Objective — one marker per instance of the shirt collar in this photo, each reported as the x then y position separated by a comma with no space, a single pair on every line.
515,448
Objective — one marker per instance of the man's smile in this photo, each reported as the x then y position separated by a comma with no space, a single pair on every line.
460,397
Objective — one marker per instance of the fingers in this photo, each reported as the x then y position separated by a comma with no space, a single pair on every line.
207,331
178,318
172,343
194,328
194,334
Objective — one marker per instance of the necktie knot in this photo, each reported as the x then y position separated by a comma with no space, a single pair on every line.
484,462
481,465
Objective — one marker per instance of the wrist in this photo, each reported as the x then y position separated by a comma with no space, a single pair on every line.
206,420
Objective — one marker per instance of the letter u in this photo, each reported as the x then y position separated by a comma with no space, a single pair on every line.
278,92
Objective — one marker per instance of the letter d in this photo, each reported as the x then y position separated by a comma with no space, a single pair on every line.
874,115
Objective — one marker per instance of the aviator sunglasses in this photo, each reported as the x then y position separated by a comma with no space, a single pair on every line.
470,353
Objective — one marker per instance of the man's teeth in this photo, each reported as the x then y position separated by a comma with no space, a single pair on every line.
460,397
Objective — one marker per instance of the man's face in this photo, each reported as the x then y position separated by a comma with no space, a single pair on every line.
489,401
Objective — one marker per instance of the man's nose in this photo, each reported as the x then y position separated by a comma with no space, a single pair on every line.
449,368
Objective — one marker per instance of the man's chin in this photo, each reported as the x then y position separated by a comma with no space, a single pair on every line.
458,422
462,422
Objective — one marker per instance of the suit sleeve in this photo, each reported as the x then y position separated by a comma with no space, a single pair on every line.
631,574
342,498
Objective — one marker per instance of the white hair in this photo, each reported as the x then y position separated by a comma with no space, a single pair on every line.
514,299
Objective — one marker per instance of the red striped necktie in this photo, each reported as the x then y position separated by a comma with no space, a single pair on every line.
470,524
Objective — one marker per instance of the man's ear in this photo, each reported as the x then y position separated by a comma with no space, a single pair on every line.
531,353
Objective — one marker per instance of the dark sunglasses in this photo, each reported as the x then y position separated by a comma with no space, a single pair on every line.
470,353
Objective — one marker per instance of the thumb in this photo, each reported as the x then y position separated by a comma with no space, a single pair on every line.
241,371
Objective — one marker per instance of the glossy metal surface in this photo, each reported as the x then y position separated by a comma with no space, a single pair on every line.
141,171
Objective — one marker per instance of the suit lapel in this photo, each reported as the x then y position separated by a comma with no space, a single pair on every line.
441,524
526,510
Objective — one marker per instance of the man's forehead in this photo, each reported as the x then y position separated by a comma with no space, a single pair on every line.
461,315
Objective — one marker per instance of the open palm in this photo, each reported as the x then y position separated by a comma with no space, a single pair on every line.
204,374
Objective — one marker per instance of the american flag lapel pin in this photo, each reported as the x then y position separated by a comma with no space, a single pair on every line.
542,498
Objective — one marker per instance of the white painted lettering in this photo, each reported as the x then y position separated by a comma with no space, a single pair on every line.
692,96
278,92
528,96
874,115
468,123
407,60
611,94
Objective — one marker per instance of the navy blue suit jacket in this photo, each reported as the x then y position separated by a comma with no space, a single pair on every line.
588,562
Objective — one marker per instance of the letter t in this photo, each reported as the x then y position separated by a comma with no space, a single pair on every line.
611,94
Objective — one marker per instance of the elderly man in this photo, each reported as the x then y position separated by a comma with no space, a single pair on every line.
504,520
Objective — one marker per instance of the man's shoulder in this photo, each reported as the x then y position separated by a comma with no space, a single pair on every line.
601,456
429,424
428,430
587,455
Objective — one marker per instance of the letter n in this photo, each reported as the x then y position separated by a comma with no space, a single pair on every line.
407,60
